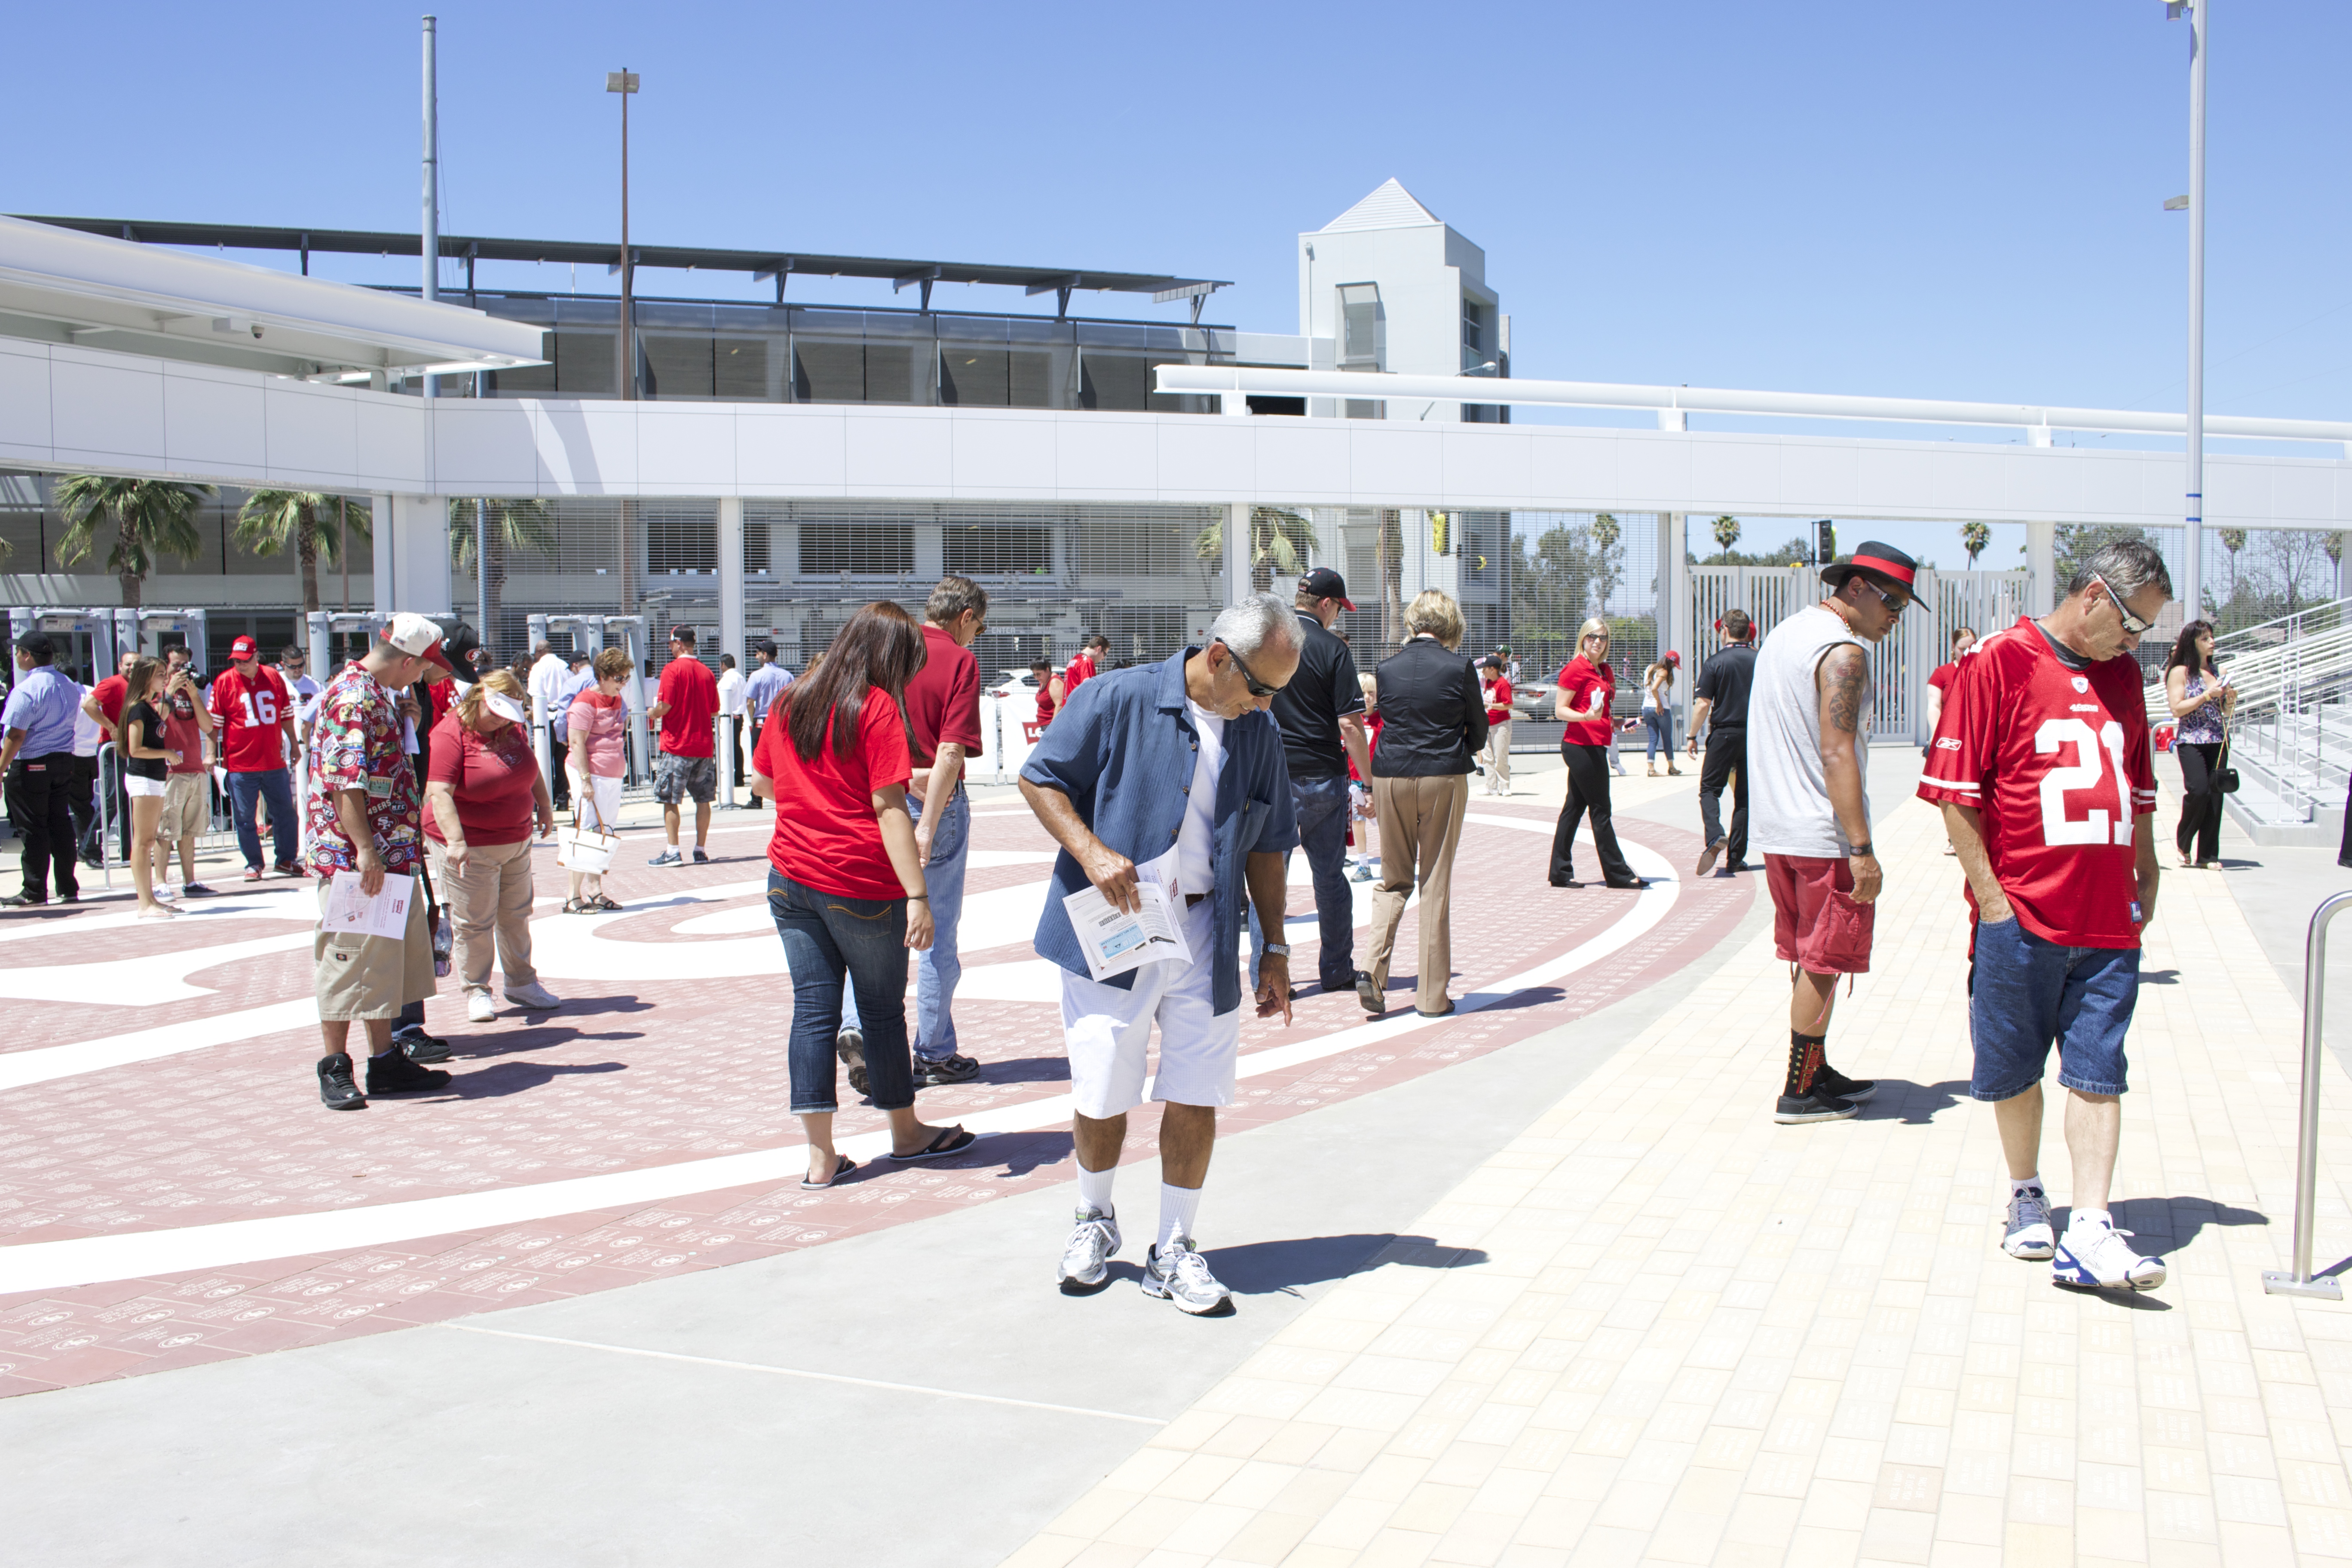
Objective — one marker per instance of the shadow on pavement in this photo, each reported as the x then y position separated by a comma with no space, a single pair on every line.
504,1078
1265,1267
1912,1104
2162,1226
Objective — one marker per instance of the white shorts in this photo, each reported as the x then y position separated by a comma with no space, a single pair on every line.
140,789
1106,1031
597,800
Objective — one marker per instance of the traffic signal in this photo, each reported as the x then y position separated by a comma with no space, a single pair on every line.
1824,543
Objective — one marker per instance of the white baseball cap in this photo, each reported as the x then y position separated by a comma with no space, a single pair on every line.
418,637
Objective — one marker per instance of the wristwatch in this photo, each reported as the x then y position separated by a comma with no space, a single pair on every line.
1278,950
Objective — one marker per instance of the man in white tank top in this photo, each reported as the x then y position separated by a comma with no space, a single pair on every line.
1808,765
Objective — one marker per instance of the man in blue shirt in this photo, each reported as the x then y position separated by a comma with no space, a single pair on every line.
1100,781
37,759
763,686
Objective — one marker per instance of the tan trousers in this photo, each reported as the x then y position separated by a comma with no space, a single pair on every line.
1420,827
489,908
1498,758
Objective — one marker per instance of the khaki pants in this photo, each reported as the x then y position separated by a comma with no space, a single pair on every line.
359,976
489,908
1498,758
1420,827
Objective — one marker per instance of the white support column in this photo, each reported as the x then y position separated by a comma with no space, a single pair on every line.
1237,551
2042,559
413,556
1681,627
731,581
381,533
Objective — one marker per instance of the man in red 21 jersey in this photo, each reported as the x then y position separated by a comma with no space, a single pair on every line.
2041,764
257,719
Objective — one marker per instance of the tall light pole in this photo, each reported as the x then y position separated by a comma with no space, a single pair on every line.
431,248
624,82
2192,587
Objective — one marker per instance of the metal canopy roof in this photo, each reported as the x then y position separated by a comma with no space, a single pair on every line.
604,253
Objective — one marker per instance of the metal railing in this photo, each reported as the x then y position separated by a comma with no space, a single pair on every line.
2299,1281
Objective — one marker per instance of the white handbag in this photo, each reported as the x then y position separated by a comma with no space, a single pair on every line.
589,850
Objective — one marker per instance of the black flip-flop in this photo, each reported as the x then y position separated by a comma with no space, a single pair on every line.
953,1141
846,1165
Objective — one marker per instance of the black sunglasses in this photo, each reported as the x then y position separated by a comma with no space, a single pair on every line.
1256,687
2132,623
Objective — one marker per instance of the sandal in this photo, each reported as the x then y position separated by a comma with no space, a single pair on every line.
576,907
950,1140
602,902
843,1166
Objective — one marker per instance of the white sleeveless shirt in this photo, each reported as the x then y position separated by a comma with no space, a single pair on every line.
1789,810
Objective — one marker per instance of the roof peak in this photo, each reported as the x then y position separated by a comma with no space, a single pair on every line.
1390,206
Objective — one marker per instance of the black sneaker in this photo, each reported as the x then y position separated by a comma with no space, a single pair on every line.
1840,1086
420,1047
394,1073
950,1068
336,1089
1816,1104
850,1046
1370,994
23,901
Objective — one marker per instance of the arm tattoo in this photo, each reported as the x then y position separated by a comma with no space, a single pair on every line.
1846,681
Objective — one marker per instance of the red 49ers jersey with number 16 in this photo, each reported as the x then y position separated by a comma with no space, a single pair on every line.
2057,760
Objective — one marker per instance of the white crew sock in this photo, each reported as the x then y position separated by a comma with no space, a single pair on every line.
2081,1219
1178,1209
1094,1189
2019,1183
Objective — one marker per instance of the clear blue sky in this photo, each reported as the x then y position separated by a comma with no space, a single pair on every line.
1928,200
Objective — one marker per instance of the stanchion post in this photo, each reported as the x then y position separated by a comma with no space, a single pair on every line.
2299,1282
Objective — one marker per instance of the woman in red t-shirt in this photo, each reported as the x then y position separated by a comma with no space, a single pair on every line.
844,882
483,792
1588,685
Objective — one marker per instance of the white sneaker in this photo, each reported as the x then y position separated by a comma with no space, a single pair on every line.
535,996
1182,1274
1086,1260
2029,1234
479,1009
2095,1256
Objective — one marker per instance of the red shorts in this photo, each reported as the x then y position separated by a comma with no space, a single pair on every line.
1816,924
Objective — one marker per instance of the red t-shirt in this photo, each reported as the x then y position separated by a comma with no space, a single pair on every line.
1079,669
249,708
1940,678
827,836
1579,680
2057,760
1045,700
692,693
491,775
1498,699
943,700
182,734
109,694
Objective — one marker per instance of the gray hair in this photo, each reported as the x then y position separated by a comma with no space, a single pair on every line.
2125,565
1247,626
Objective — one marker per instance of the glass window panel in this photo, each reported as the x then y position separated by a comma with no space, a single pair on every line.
1031,378
584,361
740,369
829,371
974,375
676,366
1114,380
891,369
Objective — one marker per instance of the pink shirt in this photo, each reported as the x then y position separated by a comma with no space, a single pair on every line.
601,724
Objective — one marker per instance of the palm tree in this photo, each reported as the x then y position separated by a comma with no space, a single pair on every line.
149,516
516,522
1727,534
2234,540
1279,541
272,520
1974,537
1605,534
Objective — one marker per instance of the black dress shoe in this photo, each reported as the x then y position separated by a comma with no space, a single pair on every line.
23,901
1370,994
1635,885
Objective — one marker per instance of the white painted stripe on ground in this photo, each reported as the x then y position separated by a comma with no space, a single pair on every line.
87,1260
20,1068
814,1376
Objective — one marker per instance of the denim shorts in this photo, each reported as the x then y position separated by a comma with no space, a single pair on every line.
2026,994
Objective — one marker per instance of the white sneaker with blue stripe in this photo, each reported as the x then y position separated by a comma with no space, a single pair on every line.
2095,1256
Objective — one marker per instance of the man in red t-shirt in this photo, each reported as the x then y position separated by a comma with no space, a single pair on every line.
2040,764
1082,668
684,706
943,710
187,798
256,730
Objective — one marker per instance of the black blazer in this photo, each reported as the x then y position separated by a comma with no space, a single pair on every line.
1433,713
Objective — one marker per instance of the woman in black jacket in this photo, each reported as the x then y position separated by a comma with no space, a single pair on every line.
1432,721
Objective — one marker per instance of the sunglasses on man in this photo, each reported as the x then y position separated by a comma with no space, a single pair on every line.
1256,687
2132,623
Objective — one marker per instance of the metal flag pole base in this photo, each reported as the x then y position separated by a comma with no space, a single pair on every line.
2299,1281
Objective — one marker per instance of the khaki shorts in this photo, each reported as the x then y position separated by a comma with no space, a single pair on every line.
372,976
187,810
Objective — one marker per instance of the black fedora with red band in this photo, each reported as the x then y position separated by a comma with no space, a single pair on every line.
1882,562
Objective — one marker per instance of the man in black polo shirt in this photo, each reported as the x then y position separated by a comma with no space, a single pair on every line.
1722,713
1321,716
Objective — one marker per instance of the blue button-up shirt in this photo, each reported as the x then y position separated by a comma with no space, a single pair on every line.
574,682
1115,749
42,703
763,686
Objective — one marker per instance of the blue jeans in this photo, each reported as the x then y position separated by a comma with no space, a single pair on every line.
826,935
1661,724
2026,994
1321,806
286,833
938,968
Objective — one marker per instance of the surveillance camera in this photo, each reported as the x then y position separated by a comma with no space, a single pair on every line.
257,329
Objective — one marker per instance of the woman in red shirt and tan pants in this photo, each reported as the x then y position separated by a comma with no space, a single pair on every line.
483,793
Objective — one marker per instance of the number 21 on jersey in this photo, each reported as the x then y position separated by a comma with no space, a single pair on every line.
2097,758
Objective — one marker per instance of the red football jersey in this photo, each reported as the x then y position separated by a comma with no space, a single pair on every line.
249,709
2058,762
1075,674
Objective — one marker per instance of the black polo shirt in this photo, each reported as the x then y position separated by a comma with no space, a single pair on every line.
1725,682
1307,711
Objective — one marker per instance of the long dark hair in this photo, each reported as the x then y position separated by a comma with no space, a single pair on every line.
2184,650
880,648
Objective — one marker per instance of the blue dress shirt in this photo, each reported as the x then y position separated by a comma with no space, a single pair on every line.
763,686
1123,748
42,703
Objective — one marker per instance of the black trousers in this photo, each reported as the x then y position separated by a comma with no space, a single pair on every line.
2198,837
558,775
83,806
38,791
1587,791
1727,760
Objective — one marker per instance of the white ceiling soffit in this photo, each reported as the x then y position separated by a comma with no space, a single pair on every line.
1391,207
143,299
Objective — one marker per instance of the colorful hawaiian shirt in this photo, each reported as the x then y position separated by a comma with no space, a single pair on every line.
357,745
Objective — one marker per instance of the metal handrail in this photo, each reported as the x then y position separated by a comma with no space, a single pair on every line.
2299,1282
